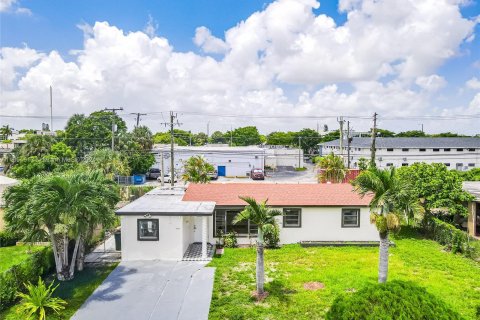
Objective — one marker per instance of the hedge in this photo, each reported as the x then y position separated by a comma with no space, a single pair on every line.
391,300
454,239
12,280
8,239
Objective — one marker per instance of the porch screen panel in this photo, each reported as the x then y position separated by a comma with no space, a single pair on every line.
241,227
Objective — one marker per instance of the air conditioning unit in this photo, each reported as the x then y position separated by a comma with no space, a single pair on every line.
380,159
404,159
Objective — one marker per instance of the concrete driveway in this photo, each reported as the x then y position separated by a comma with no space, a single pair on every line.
144,290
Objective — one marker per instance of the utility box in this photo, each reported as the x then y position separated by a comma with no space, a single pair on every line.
118,240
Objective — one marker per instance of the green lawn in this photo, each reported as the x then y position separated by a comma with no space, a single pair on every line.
75,292
10,256
450,277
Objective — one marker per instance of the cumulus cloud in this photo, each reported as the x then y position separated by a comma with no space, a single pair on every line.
13,7
283,60
473,83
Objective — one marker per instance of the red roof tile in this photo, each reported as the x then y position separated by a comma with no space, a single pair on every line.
227,194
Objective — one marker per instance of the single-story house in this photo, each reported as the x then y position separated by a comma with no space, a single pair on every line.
473,225
166,223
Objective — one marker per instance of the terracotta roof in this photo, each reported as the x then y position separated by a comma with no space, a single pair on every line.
228,194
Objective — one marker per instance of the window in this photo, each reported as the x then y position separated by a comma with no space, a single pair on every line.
436,150
471,149
389,164
147,229
389,149
459,149
447,164
350,218
422,150
404,164
471,164
224,223
405,149
446,150
292,218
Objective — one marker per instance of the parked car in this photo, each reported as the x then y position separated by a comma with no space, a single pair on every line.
257,174
153,173
213,175
167,179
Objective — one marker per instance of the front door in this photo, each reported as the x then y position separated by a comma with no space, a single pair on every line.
477,220
197,229
222,171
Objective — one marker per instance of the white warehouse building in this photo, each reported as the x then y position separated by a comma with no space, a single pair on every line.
228,161
462,153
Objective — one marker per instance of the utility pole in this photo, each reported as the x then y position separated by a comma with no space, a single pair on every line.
162,171
299,151
172,123
340,122
137,115
348,144
114,110
422,126
231,136
51,110
374,137
208,130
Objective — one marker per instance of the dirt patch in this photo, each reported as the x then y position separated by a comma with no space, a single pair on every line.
259,297
313,286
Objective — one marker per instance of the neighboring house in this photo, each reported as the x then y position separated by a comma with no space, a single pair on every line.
456,153
5,182
164,223
473,187
228,161
6,148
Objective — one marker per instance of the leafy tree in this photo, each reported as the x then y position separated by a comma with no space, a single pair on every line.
308,139
37,145
38,301
439,187
245,136
85,134
447,135
280,138
470,175
64,207
139,162
218,137
363,163
334,135
411,134
392,197
6,132
135,148
332,169
200,139
28,167
63,152
111,163
196,170
165,138
385,133
143,137
263,216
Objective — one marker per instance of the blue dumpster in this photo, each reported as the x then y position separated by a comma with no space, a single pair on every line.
139,179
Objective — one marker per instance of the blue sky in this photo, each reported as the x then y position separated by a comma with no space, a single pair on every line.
45,26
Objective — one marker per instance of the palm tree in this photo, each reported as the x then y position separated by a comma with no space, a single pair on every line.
63,207
196,170
264,217
109,162
6,131
391,198
332,169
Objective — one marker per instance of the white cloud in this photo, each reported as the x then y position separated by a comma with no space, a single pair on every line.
282,60
12,6
473,83
5,5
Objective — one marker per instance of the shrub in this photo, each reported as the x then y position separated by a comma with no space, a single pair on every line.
391,300
454,239
272,236
13,279
8,238
230,240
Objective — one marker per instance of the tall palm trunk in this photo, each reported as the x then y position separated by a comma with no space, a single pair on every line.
81,254
383,258
260,263
74,257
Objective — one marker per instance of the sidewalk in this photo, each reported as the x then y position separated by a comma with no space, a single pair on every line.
104,253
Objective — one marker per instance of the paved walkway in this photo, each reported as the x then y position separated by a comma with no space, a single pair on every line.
104,253
144,290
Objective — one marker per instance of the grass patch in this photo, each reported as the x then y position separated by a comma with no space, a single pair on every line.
301,169
75,292
10,256
451,278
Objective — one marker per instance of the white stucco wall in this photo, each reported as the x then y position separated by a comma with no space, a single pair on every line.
169,246
319,224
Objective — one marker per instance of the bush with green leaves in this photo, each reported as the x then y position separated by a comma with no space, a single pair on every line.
230,240
391,300
8,238
38,300
454,239
12,280
271,237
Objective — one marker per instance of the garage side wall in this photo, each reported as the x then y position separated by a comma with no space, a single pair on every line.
168,247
